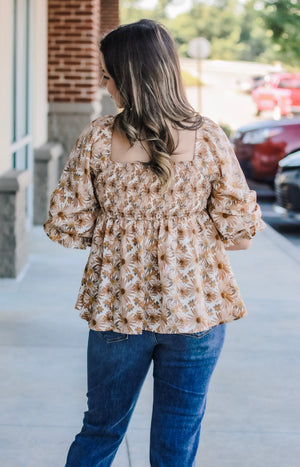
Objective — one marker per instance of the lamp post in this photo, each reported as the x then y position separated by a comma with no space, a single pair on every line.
199,48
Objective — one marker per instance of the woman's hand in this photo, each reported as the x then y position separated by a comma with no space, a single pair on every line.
243,244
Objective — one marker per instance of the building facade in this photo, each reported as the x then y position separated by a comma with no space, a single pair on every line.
49,91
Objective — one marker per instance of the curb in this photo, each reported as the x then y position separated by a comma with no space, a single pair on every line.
284,244
262,190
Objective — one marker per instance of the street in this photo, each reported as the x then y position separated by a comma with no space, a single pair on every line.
289,228
222,101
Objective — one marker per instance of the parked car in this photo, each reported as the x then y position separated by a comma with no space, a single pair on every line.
261,145
279,94
287,186
248,85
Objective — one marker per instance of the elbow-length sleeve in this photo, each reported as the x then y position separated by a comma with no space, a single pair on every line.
232,205
73,205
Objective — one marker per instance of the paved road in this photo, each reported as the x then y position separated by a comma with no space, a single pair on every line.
289,228
220,98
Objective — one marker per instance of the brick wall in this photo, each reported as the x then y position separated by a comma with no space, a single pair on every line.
73,56
109,15
74,31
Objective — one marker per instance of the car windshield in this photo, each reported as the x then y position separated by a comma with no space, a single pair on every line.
289,84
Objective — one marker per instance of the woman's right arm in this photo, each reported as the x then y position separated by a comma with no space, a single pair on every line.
73,205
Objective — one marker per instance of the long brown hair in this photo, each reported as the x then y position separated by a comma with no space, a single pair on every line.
142,59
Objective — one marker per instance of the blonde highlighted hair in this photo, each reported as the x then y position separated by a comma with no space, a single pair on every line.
142,59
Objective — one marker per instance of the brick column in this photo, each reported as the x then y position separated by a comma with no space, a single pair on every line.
109,15
74,28
73,58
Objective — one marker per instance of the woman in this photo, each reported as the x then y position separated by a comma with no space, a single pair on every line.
158,194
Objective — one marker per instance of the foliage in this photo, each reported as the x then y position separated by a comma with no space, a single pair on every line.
189,79
130,12
226,128
252,30
282,18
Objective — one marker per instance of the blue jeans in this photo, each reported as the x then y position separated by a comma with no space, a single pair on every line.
117,367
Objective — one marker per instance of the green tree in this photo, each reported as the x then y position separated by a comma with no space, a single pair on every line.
255,40
130,11
160,10
255,30
282,18
217,22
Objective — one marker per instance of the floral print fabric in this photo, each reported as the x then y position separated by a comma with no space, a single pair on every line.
157,262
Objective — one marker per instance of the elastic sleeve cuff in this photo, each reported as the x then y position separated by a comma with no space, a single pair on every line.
249,233
66,239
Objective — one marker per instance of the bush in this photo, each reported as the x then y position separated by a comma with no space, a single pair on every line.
226,128
189,79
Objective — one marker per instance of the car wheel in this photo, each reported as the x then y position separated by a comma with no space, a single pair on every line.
277,112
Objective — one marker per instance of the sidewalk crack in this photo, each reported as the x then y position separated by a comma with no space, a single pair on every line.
128,451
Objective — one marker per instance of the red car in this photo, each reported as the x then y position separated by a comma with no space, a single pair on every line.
280,94
261,145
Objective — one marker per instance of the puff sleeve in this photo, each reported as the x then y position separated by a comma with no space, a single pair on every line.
74,207
232,205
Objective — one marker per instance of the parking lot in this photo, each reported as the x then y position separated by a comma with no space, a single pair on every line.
289,228
222,101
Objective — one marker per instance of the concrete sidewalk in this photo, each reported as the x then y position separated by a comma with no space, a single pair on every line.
253,412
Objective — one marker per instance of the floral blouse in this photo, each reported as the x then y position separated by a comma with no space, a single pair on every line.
157,262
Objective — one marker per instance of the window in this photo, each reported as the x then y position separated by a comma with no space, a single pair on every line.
289,84
21,139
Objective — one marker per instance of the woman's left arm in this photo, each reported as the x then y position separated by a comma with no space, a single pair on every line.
231,205
242,244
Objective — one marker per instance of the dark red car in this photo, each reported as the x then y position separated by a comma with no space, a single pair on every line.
261,145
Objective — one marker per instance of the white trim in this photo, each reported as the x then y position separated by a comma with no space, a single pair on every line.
20,144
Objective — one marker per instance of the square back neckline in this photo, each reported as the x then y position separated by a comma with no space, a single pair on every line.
137,162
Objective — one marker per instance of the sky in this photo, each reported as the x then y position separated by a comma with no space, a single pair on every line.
179,6
174,10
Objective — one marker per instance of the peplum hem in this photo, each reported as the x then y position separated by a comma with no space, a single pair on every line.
163,273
